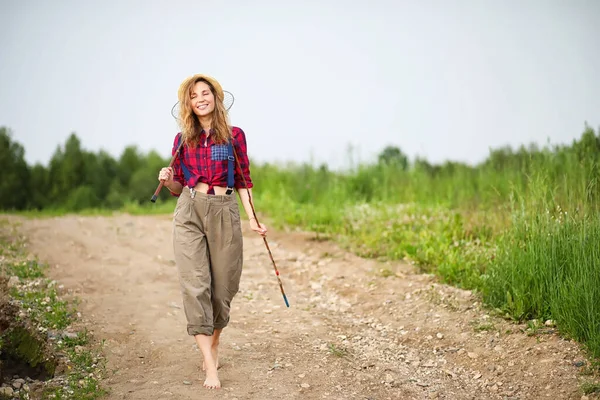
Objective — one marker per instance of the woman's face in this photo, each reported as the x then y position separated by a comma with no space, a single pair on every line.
202,99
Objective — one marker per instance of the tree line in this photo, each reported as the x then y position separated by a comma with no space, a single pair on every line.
77,179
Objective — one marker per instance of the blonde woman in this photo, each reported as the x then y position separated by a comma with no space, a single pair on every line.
207,238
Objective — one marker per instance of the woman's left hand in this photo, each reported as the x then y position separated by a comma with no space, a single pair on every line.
260,229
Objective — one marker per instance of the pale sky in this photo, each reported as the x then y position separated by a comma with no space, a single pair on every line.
445,80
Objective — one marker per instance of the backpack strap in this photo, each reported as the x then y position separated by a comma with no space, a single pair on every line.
186,171
230,168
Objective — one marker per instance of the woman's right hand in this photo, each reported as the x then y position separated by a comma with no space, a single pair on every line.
166,175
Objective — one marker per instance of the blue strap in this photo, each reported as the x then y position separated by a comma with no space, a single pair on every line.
230,169
186,171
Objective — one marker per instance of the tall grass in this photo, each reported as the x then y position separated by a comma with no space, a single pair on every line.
549,268
548,264
570,174
522,227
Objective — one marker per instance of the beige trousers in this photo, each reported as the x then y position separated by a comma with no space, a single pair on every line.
207,241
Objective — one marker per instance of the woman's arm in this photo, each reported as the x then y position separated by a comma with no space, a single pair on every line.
243,181
174,186
173,176
166,175
245,197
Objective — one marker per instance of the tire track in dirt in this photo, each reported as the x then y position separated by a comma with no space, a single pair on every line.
350,333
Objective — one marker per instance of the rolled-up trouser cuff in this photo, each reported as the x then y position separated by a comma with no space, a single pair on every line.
199,330
221,325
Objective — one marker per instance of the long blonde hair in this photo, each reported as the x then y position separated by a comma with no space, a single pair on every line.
190,123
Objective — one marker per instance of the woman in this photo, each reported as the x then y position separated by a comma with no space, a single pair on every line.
207,235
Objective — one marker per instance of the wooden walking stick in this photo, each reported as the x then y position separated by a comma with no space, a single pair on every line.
162,182
264,237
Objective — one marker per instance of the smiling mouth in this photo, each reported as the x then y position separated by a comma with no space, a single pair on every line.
202,106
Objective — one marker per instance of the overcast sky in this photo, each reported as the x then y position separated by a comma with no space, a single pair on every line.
444,79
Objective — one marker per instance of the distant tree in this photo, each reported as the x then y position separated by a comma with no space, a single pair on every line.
54,183
392,155
81,198
100,172
67,169
129,162
14,185
144,180
116,197
40,187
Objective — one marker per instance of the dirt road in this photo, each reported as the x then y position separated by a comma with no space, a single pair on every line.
356,329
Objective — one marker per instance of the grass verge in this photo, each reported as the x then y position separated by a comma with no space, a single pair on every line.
43,331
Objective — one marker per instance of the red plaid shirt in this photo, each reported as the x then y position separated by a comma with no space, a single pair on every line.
208,161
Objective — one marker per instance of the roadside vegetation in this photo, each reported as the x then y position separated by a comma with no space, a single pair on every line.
43,353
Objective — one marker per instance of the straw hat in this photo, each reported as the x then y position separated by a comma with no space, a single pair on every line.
221,95
215,84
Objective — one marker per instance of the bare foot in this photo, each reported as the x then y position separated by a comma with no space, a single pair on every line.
212,379
215,353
